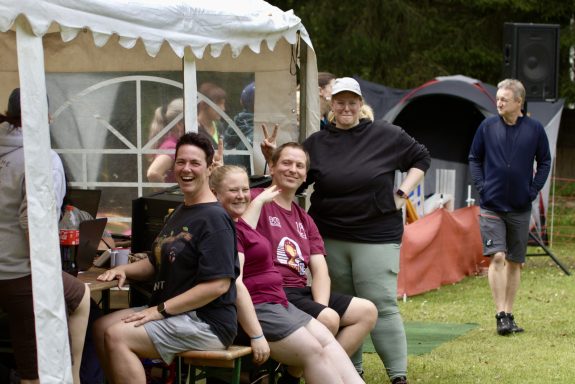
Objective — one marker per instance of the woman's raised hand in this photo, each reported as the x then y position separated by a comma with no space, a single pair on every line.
268,194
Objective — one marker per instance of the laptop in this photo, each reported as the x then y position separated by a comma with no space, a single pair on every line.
90,234
87,200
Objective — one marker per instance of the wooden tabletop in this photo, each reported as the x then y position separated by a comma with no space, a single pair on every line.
90,277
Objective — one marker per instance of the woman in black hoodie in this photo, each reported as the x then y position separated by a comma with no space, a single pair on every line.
358,211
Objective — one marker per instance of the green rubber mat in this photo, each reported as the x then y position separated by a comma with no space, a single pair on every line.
423,337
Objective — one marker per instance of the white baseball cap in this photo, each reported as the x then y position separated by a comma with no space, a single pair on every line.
346,84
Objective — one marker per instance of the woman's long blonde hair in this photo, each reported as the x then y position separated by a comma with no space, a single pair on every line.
163,116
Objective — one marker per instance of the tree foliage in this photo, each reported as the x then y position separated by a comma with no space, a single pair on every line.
404,43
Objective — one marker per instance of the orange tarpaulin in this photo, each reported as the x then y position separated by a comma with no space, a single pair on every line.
440,248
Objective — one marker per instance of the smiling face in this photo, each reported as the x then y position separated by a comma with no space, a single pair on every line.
233,193
346,107
290,169
191,172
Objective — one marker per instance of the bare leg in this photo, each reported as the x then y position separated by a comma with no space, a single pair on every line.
99,330
498,280
513,279
356,323
302,350
77,324
330,319
125,344
35,381
340,360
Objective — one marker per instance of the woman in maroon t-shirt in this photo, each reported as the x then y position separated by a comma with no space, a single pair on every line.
295,338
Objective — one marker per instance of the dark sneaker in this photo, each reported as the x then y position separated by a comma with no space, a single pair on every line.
514,327
399,380
503,324
286,378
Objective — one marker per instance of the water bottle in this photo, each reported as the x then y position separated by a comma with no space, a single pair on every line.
69,240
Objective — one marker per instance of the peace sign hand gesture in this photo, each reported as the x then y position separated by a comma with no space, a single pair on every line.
269,144
218,160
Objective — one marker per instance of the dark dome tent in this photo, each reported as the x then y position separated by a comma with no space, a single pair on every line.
381,98
444,114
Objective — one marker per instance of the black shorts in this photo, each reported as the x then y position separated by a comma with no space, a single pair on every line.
303,299
74,291
17,302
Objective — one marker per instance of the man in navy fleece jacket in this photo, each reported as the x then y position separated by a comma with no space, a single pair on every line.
501,162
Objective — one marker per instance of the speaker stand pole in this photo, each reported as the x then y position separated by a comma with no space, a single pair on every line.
547,253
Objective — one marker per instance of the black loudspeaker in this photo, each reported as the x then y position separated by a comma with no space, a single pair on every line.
531,55
148,214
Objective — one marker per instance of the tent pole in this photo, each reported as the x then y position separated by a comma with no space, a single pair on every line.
190,92
309,103
54,363
553,185
303,95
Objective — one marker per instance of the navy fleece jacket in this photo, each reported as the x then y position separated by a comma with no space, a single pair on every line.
501,163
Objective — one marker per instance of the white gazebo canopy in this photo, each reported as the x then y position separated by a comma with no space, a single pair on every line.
45,39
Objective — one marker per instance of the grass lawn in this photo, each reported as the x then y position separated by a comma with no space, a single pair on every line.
545,307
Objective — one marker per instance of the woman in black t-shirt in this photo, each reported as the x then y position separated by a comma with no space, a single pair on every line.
193,264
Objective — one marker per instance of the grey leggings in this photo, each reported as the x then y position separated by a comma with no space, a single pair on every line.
370,271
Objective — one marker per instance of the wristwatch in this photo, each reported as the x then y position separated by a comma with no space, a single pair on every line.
162,309
401,194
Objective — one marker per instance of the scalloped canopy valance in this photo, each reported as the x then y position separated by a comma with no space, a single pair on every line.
197,24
